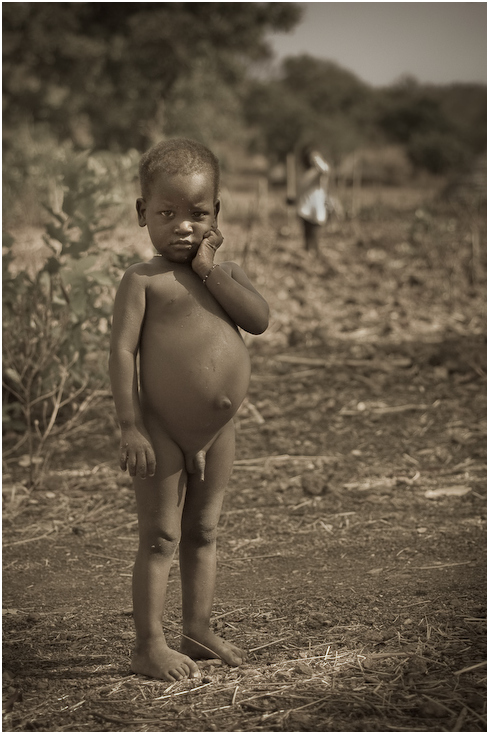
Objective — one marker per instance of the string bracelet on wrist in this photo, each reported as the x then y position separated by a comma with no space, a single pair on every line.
204,279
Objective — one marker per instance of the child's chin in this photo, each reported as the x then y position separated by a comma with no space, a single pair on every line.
183,257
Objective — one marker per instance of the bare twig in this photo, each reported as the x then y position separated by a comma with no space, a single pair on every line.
29,540
469,668
268,644
283,457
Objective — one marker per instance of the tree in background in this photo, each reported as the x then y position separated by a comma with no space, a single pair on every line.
117,76
313,99
442,128
100,73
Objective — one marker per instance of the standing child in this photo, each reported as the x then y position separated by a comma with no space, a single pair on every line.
312,199
180,312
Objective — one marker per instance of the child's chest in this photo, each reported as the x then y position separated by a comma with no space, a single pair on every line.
175,298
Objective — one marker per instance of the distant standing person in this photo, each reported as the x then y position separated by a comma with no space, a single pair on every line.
311,199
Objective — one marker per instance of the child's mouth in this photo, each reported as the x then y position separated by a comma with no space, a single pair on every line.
182,245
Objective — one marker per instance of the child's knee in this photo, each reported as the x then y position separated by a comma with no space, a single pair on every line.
159,542
200,535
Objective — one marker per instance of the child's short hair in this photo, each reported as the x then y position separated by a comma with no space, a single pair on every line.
178,155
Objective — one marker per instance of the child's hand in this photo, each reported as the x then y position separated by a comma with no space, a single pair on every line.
204,259
136,454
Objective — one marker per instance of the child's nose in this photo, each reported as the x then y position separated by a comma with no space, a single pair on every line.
183,227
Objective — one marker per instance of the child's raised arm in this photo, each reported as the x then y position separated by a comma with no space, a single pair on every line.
231,287
136,451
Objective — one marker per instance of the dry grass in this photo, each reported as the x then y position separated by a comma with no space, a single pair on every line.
309,668
319,686
359,595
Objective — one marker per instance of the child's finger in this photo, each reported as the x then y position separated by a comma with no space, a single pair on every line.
132,463
123,458
141,463
150,462
214,238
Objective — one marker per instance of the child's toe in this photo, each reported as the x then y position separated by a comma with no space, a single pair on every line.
192,668
237,657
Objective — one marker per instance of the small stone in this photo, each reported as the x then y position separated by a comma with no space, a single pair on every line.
321,619
313,484
304,669
430,709
374,636
212,662
282,675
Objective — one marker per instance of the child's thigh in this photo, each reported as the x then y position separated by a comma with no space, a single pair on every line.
160,498
204,499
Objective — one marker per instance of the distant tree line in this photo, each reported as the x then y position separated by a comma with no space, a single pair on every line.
441,128
116,76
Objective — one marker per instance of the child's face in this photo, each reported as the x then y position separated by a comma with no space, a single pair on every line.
179,210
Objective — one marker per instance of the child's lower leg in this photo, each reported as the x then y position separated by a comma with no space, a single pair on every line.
159,500
201,514
198,570
151,655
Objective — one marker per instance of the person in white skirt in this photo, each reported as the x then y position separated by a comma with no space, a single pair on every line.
312,196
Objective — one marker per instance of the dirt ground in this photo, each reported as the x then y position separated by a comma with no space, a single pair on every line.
352,543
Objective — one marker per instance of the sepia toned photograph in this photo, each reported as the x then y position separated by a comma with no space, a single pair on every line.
244,366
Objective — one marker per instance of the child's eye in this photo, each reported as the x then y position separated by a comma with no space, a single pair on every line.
200,215
166,213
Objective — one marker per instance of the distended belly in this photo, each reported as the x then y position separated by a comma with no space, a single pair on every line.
194,385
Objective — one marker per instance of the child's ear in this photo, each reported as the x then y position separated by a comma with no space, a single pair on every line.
141,210
217,209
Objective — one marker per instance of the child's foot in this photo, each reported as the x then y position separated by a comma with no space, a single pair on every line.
156,660
209,645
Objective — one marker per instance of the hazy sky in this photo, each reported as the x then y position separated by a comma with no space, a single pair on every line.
439,42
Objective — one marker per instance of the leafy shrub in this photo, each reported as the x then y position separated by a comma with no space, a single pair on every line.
56,321
32,162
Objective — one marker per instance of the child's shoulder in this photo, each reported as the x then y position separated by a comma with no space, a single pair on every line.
137,277
140,269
